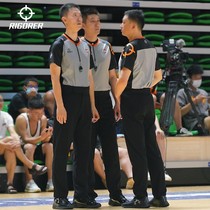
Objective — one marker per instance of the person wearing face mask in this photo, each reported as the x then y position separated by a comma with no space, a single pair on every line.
19,103
199,98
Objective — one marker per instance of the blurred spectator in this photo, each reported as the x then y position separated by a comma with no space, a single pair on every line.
19,103
32,128
199,98
10,147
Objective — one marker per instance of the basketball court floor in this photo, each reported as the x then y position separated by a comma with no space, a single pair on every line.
180,198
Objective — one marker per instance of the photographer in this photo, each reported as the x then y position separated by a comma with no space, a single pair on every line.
199,98
173,75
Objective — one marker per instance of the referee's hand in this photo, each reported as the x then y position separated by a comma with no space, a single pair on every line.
61,115
96,115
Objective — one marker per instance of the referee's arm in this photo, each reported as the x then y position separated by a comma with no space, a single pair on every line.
55,72
157,77
122,82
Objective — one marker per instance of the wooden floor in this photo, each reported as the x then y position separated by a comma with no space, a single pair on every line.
180,198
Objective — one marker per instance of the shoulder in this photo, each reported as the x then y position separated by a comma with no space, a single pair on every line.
129,49
59,41
5,115
21,118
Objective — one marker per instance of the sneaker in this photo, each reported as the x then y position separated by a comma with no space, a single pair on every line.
32,187
183,132
91,203
137,203
167,177
159,202
62,203
130,183
50,186
118,201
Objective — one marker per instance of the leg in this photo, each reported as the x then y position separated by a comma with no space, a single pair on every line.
99,166
82,150
29,152
125,163
10,159
107,134
47,149
207,123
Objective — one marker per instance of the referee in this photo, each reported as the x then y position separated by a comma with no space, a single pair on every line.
139,70
70,69
104,77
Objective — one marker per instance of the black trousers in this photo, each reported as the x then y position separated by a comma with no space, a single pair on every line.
77,129
106,131
137,109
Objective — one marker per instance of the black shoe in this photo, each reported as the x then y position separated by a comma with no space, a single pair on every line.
159,202
91,203
117,201
62,203
137,203
36,172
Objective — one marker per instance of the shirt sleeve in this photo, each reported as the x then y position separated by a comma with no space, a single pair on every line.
9,121
181,97
18,102
113,62
56,51
128,57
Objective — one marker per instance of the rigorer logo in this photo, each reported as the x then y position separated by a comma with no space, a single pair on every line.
26,13
25,16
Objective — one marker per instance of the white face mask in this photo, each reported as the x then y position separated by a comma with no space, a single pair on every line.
196,83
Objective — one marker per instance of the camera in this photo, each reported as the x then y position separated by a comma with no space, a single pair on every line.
175,57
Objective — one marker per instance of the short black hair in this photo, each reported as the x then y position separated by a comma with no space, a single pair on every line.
137,16
66,7
29,79
89,11
194,69
35,102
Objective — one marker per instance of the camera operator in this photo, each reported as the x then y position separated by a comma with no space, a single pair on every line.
199,98
174,72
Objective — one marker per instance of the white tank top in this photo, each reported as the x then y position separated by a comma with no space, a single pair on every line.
38,129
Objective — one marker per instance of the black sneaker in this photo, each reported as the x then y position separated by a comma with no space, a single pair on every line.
91,203
159,202
137,203
117,201
62,203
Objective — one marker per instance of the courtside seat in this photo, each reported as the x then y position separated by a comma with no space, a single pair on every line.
172,129
30,61
206,85
37,16
52,14
6,85
203,19
179,18
162,62
161,87
203,41
29,37
5,37
5,61
187,38
154,17
49,39
205,63
5,13
48,85
156,39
